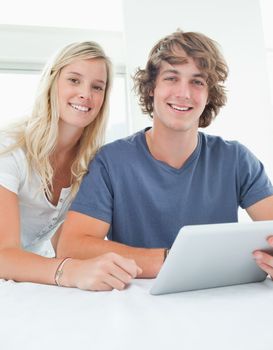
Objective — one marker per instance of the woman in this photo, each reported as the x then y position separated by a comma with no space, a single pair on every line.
42,163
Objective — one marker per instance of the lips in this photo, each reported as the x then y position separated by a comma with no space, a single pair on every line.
180,108
80,107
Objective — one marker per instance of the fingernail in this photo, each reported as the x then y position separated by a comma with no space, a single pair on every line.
257,255
270,240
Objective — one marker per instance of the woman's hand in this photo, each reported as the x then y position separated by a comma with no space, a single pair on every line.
106,272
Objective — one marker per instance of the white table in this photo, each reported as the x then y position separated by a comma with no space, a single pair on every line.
39,317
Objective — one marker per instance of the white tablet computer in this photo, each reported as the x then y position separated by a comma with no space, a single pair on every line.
207,256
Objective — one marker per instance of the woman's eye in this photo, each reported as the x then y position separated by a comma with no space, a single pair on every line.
74,80
98,88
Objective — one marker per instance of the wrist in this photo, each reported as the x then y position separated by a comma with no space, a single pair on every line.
63,272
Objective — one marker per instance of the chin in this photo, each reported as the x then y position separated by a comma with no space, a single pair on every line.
180,128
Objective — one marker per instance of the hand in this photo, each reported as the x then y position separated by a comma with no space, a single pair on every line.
265,260
106,272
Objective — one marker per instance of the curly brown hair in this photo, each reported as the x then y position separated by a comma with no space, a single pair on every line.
208,58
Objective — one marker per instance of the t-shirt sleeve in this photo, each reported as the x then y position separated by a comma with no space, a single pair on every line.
95,196
10,174
254,183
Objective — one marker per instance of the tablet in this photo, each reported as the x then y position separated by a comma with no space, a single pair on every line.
207,256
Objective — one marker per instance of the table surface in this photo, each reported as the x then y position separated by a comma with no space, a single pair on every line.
34,316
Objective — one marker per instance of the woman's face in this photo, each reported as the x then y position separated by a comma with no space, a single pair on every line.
81,89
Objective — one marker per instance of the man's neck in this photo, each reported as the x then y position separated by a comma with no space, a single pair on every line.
171,148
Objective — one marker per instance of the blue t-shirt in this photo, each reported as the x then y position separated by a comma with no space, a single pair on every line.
147,201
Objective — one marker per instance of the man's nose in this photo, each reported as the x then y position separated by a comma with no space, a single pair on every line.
183,90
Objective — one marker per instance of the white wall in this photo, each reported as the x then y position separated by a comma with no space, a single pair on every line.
29,47
236,25
25,49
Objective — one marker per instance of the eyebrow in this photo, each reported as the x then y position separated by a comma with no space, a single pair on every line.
79,74
174,71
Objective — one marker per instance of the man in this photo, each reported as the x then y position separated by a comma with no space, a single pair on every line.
141,190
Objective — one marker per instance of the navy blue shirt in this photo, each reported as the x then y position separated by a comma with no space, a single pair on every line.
147,201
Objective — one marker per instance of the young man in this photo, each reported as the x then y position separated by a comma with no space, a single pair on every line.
141,190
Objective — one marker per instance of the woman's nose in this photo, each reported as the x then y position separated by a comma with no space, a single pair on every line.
85,93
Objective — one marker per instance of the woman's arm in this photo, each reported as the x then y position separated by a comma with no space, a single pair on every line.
103,273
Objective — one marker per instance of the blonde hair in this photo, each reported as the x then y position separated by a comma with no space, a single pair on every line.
38,134
207,57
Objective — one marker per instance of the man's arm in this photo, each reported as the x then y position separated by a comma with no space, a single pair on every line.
263,210
83,237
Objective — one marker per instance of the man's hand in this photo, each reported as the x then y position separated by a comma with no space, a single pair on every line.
265,260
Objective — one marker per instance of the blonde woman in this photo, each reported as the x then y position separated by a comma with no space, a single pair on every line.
42,163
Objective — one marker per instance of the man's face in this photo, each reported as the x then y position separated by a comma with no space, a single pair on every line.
180,96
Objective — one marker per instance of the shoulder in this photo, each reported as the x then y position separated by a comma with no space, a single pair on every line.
122,148
9,147
115,155
125,143
213,141
6,140
13,164
231,152
219,146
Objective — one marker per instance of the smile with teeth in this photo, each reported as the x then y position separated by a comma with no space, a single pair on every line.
80,108
178,108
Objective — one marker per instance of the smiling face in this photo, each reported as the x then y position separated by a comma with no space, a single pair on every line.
179,97
81,88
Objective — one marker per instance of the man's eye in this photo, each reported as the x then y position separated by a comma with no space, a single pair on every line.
170,78
198,82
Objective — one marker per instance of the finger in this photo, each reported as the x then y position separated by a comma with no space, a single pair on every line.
118,272
264,261
263,257
114,282
139,271
127,265
270,240
94,284
268,269
101,287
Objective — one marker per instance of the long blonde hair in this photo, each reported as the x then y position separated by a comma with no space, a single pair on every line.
38,134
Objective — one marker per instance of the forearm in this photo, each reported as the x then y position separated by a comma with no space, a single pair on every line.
22,266
103,273
149,260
